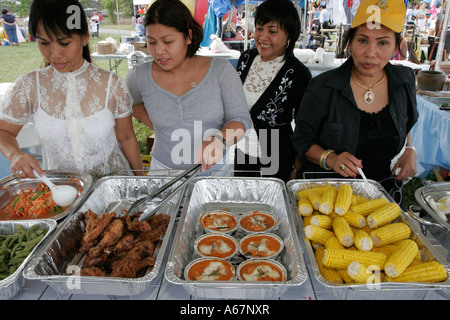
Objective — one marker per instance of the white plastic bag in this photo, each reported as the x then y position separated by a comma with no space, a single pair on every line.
217,46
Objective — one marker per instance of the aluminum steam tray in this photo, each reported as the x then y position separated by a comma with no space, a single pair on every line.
430,194
82,181
239,196
383,290
11,285
59,261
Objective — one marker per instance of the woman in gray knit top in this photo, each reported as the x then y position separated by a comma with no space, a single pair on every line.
195,105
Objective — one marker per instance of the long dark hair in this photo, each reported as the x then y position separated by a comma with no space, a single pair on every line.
285,14
174,14
59,18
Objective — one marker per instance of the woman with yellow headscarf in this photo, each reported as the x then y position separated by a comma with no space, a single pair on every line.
361,114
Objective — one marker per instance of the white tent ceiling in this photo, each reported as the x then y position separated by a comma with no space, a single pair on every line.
141,2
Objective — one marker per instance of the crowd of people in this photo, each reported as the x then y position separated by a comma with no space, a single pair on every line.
356,116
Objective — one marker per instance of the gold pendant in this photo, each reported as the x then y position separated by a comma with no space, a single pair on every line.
193,84
369,97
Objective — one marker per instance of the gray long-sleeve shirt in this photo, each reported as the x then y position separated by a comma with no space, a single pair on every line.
182,123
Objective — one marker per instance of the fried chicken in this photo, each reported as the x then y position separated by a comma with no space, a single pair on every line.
136,259
93,271
110,237
94,227
120,246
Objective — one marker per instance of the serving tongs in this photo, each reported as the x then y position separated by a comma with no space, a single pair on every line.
158,204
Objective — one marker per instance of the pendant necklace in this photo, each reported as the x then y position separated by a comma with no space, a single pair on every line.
193,83
369,96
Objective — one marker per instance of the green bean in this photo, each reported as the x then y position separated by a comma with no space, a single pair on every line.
16,261
33,242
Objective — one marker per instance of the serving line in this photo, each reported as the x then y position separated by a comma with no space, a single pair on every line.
311,289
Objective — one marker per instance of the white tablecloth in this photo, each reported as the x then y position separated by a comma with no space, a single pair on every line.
431,137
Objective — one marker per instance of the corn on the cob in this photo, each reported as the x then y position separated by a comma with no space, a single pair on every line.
401,258
341,258
318,234
333,242
314,197
431,271
327,200
358,272
307,219
389,249
355,219
358,199
364,208
329,274
343,231
383,215
343,199
321,220
363,241
390,233
304,206
344,275
304,193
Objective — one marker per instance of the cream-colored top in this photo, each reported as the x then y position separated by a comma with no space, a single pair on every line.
259,77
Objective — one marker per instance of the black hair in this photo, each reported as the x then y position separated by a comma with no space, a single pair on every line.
4,11
174,14
58,19
285,14
350,34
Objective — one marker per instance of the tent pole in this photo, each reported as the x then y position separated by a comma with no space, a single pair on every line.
118,19
441,46
246,26
305,14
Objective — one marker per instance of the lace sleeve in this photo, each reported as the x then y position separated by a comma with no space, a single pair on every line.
18,106
119,100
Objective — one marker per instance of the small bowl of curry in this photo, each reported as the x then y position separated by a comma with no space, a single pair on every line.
210,269
261,246
261,270
258,221
216,245
218,221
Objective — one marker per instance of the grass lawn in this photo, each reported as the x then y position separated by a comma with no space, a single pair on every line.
26,57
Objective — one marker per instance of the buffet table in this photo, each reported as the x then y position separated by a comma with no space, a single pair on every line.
162,289
431,137
310,290
114,59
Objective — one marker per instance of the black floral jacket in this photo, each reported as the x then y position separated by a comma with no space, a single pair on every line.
279,103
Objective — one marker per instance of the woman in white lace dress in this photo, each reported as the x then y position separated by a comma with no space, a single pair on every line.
81,113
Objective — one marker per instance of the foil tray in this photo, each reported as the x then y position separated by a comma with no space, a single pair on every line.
383,290
239,196
433,192
59,262
82,181
10,286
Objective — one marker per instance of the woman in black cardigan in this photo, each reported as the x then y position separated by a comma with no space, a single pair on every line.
274,82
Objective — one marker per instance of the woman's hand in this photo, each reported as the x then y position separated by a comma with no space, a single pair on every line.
344,163
23,164
407,165
210,153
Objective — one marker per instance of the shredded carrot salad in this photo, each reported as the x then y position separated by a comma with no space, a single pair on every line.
32,203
